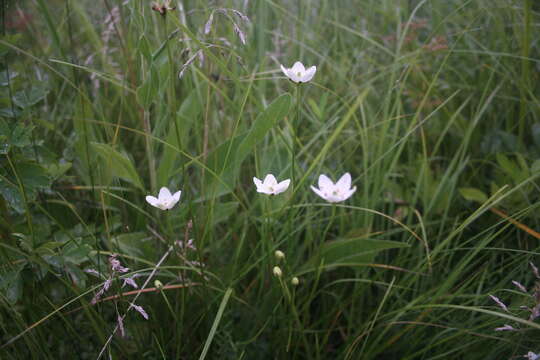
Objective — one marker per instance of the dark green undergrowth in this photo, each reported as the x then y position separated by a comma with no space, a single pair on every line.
432,106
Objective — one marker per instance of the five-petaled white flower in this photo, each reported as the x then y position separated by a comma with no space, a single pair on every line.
165,200
270,185
337,192
298,73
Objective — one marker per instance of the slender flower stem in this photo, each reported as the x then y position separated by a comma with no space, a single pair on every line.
329,225
295,123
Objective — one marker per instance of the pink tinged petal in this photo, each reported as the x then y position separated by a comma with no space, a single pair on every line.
282,186
298,67
325,183
505,328
532,356
93,272
535,270
270,180
129,281
344,183
499,302
140,310
535,312
308,75
164,193
107,285
98,295
519,286
152,201
318,192
121,326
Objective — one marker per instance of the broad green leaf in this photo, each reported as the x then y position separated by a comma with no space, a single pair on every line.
76,275
473,194
147,92
179,127
512,169
144,48
353,251
76,253
227,158
130,243
535,167
119,164
274,113
224,211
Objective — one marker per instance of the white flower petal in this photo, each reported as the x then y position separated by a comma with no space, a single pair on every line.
348,194
270,180
298,67
344,183
282,186
294,76
258,183
308,75
325,183
318,192
285,70
152,200
331,198
176,196
164,193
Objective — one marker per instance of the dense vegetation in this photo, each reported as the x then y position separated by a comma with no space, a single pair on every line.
433,107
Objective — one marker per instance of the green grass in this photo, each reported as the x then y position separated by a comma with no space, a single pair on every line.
432,106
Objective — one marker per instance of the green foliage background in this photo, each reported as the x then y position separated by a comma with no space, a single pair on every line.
432,106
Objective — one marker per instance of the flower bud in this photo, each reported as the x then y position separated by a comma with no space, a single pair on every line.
158,284
277,271
279,255
295,281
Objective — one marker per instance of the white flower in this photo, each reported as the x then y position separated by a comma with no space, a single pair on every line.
337,192
165,200
298,72
277,271
270,185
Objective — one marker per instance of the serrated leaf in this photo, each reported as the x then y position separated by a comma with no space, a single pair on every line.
473,194
119,164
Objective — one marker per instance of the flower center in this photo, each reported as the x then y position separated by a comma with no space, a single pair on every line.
299,74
